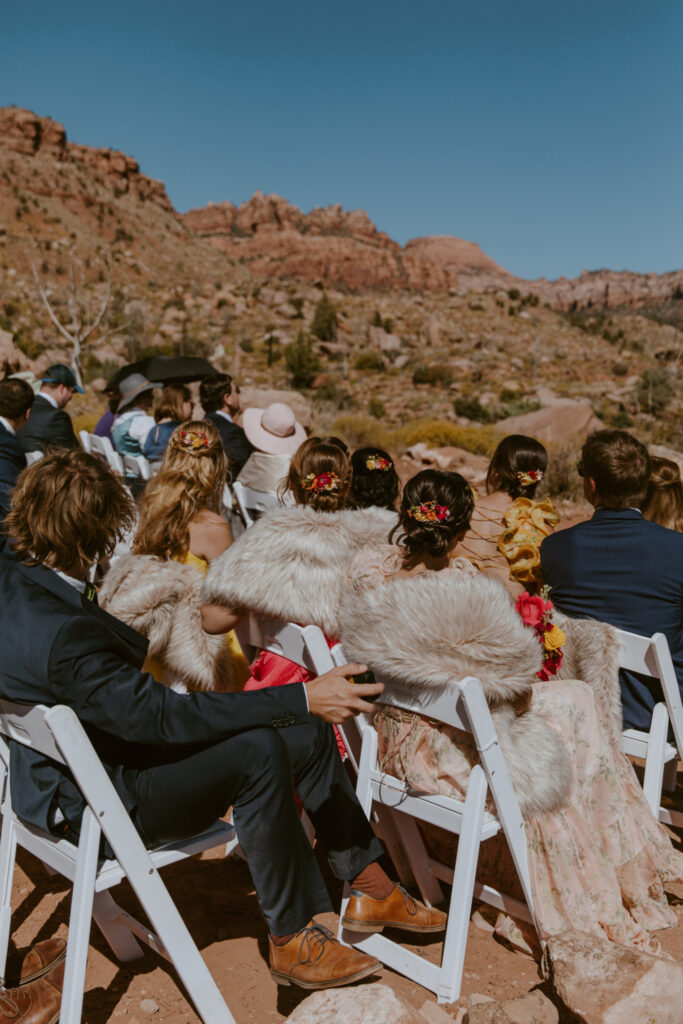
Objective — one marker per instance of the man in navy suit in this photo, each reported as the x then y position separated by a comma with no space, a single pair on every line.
49,424
179,761
16,399
220,398
618,567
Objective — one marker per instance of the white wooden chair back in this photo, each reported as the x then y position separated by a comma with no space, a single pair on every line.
304,645
249,501
137,466
227,501
84,438
463,707
102,446
650,656
57,733
32,457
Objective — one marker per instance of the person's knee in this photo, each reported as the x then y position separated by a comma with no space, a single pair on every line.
266,750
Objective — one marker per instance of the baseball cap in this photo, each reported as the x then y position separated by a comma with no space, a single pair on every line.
59,373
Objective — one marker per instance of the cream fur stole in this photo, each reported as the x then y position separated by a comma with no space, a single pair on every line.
427,631
161,599
292,563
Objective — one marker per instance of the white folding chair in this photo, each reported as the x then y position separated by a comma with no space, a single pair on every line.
650,656
249,501
57,733
465,708
84,438
102,446
32,457
137,466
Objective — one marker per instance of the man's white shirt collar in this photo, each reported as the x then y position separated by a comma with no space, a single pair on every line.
49,398
72,581
222,412
7,425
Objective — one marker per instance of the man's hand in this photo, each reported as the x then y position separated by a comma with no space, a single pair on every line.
334,699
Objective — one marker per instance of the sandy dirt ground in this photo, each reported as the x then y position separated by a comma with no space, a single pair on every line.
217,900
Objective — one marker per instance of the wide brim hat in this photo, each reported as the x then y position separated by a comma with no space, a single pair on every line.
131,387
274,430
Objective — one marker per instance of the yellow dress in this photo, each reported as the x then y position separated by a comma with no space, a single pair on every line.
238,663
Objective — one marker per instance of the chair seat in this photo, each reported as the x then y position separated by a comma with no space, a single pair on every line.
435,809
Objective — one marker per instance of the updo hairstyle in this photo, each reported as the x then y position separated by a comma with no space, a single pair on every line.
375,481
664,502
516,456
445,490
320,474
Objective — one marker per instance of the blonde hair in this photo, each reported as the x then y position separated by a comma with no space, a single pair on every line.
169,404
315,457
191,479
664,502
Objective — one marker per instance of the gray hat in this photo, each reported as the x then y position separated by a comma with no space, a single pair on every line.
131,387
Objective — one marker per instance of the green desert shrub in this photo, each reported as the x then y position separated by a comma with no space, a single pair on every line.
377,408
371,361
655,390
302,361
324,323
433,374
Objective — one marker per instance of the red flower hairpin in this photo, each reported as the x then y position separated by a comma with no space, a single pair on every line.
377,462
322,483
429,512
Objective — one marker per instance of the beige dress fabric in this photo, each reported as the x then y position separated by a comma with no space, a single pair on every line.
264,472
599,865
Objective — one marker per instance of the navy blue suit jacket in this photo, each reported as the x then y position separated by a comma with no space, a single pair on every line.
235,443
58,648
47,426
12,461
622,569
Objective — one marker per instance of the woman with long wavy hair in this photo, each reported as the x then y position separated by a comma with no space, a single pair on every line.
180,514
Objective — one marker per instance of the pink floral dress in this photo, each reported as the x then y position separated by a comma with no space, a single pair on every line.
598,865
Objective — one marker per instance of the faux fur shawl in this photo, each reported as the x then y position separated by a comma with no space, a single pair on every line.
592,654
427,631
161,599
292,563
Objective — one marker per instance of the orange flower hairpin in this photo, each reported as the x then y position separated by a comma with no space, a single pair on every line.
429,512
322,483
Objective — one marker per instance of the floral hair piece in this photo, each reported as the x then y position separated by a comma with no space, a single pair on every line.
322,483
193,441
536,612
377,462
532,476
429,512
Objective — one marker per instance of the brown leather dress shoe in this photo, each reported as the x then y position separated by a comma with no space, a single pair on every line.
37,1002
397,910
314,959
23,968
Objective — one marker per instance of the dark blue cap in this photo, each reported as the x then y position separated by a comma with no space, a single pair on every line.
59,373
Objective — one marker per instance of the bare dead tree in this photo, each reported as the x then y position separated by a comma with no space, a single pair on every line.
85,317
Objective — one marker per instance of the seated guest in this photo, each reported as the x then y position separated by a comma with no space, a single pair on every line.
220,398
173,407
49,425
275,435
618,567
664,502
598,859
508,525
133,420
106,420
16,399
375,481
180,522
178,762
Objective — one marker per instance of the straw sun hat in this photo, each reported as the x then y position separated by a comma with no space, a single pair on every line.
274,430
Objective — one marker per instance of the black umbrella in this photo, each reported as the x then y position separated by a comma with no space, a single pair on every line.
167,369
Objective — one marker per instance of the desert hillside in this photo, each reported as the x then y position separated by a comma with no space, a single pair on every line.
432,342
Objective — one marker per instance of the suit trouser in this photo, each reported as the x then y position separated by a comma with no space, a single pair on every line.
184,791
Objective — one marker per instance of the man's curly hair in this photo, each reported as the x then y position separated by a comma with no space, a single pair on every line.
68,510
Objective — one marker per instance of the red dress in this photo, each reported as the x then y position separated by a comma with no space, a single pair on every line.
273,670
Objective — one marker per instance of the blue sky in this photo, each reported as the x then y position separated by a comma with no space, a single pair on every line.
547,131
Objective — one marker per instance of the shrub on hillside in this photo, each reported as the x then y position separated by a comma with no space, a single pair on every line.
359,430
433,374
324,323
369,361
655,390
561,478
302,361
377,408
441,433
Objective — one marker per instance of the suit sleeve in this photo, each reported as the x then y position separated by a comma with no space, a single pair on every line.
62,431
107,692
240,450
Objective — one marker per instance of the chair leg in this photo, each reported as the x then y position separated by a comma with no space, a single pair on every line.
654,763
8,852
412,842
123,943
453,957
670,779
80,919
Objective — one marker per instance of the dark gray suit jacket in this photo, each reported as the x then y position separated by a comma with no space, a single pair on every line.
12,461
47,426
235,443
59,648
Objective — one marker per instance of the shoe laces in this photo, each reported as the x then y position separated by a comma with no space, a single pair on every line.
411,905
313,939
